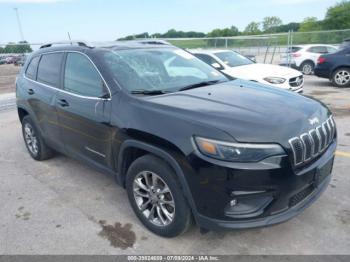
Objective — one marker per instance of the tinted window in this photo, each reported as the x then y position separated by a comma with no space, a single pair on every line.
233,59
294,49
49,69
206,58
31,69
81,77
318,49
331,49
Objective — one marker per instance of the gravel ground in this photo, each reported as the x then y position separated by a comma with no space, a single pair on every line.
61,206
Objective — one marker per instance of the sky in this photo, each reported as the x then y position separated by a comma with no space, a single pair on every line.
106,20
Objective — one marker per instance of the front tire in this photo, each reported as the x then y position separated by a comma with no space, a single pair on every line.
34,141
341,77
307,67
156,197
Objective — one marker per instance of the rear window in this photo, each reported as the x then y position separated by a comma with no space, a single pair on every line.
31,69
318,50
49,69
294,49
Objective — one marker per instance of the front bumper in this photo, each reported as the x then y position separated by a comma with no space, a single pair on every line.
279,194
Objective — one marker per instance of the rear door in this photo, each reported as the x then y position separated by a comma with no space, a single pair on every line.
43,75
84,115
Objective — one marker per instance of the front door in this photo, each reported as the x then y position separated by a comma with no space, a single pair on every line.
83,114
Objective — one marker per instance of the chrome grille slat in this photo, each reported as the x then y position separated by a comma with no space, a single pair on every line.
310,144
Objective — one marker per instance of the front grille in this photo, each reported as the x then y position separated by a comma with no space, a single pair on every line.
310,144
296,81
300,196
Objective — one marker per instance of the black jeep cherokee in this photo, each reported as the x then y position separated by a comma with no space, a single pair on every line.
186,142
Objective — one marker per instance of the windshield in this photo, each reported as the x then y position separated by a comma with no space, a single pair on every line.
159,70
233,59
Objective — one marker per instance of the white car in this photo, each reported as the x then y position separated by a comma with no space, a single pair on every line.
236,65
304,57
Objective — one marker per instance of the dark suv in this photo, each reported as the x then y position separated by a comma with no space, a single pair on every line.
187,143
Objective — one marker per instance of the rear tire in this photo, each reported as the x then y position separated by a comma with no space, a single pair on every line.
341,77
34,142
307,68
156,197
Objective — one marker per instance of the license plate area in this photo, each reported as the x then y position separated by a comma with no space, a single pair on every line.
323,172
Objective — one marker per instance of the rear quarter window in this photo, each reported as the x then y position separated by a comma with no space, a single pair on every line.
49,69
31,69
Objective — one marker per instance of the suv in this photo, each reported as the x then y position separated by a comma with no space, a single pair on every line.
185,142
304,57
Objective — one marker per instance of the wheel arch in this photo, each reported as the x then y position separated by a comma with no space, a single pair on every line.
22,112
146,148
307,61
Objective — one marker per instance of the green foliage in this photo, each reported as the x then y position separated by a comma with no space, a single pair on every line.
310,24
226,32
270,23
13,48
338,16
253,28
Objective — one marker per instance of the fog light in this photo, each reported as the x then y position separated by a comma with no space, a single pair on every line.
233,202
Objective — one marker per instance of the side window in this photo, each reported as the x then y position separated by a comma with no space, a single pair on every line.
318,50
31,69
81,77
331,49
209,60
49,69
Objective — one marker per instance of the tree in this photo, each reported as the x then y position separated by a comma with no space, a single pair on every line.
225,32
21,47
271,22
310,24
338,16
252,28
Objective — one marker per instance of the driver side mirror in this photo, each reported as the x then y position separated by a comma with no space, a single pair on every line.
216,66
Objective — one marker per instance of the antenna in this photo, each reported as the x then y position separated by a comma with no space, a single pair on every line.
70,39
19,24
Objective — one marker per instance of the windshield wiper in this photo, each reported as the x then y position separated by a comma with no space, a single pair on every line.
200,84
148,92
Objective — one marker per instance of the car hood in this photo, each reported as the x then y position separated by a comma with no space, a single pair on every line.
247,111
259,71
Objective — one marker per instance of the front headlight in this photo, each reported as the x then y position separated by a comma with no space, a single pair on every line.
275,80
237,152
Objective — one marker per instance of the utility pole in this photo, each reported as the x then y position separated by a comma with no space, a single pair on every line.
19,24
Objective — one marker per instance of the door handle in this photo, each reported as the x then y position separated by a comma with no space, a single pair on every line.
63,102
31,92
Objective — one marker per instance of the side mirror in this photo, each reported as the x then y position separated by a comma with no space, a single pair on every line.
216,65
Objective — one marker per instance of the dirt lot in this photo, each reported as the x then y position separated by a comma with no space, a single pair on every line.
8,75
61,206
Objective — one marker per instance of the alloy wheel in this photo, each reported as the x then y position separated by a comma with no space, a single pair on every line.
342,77
31,139
307,69
154,198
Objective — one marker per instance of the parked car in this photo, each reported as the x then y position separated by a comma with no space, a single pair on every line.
236,65
335,67
3,61
304,57
20,60
185,141
345,44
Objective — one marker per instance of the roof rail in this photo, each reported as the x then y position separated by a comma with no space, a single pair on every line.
152,41
78,43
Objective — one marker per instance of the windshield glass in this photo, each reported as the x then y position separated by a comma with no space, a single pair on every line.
162,69
233,59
